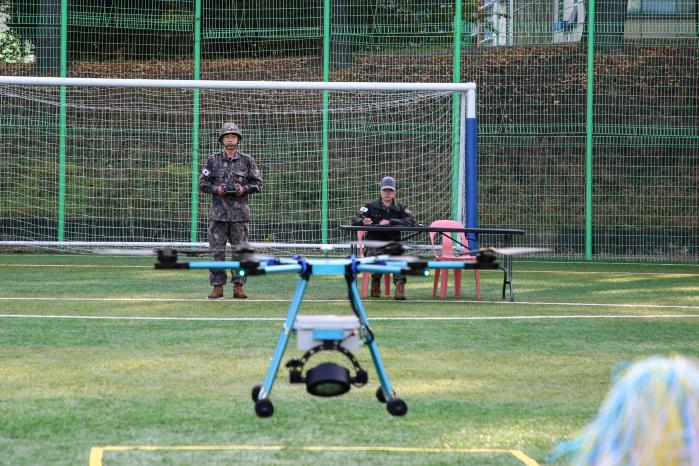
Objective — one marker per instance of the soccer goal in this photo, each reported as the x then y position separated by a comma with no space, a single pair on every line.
116,161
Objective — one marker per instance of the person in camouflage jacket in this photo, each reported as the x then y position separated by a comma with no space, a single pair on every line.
230,176
385,210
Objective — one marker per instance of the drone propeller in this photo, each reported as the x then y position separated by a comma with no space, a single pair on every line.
148,252
376,244
484,258
512,251
126,252
391,248
247,254
396,248
250,261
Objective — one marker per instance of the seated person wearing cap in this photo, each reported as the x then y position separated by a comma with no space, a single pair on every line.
385,211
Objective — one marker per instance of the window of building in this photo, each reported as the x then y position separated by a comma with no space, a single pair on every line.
661,7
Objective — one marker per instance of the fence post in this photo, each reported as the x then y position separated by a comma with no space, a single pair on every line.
589,127
195,123
62,123
325,204
456,114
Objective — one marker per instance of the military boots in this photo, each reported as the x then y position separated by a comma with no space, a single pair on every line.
375,287
217,292
238,291
400,292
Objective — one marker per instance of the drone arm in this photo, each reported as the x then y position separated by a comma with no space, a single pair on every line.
463,265
248,268
283,268
450,265
378,268
286,260
216,265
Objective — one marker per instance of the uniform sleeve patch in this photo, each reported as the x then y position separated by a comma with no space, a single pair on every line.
364,210
407,211
205,172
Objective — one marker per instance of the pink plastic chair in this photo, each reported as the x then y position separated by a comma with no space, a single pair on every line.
448,255
366,276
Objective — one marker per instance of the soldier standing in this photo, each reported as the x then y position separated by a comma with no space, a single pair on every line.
230,176
385,211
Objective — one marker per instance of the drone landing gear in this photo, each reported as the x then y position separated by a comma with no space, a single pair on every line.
327,379
395,406
263,408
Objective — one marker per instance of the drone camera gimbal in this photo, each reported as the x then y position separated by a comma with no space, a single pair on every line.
327,333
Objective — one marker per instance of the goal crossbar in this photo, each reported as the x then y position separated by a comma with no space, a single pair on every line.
216,84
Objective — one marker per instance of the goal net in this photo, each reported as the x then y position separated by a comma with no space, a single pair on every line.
117,161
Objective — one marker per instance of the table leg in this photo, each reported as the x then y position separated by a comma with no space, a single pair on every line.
507,270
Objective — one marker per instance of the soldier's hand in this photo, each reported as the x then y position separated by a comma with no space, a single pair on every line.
384,222
221,190
239,190
366,221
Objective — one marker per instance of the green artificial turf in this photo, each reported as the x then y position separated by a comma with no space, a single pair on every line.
172,369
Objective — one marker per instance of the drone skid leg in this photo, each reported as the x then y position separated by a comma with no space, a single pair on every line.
385,393
260,394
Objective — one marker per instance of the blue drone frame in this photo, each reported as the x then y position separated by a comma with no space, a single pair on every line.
327,379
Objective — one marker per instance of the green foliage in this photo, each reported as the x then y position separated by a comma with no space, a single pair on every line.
14,49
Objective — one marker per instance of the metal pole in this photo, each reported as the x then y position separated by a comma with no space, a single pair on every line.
461,190
195,124
589,128
471,130
215,84
324,205
62,124
455,112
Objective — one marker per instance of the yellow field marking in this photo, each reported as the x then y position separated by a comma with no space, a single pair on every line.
97,453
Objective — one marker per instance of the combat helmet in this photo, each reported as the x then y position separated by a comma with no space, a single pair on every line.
229,128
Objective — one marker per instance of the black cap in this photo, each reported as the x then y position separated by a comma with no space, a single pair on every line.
387,182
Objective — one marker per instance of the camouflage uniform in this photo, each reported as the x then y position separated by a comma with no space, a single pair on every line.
397,214
229,216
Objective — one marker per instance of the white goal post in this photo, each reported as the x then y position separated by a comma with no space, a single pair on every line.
115,161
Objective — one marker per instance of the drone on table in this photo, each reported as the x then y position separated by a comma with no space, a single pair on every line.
342,334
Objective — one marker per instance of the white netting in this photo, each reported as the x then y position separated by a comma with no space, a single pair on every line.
129,163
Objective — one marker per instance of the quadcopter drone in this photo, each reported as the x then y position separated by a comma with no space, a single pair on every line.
341,334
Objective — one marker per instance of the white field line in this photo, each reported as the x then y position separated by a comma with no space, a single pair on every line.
344,300
281,319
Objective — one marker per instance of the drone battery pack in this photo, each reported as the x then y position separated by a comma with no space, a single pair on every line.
312,331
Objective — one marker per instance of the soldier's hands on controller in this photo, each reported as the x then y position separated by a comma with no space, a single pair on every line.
239,190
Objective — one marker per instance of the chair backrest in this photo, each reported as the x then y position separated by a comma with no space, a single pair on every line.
447,243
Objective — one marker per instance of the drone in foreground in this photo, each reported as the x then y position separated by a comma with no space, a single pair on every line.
340,334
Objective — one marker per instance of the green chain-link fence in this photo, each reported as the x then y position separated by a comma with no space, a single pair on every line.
588,110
